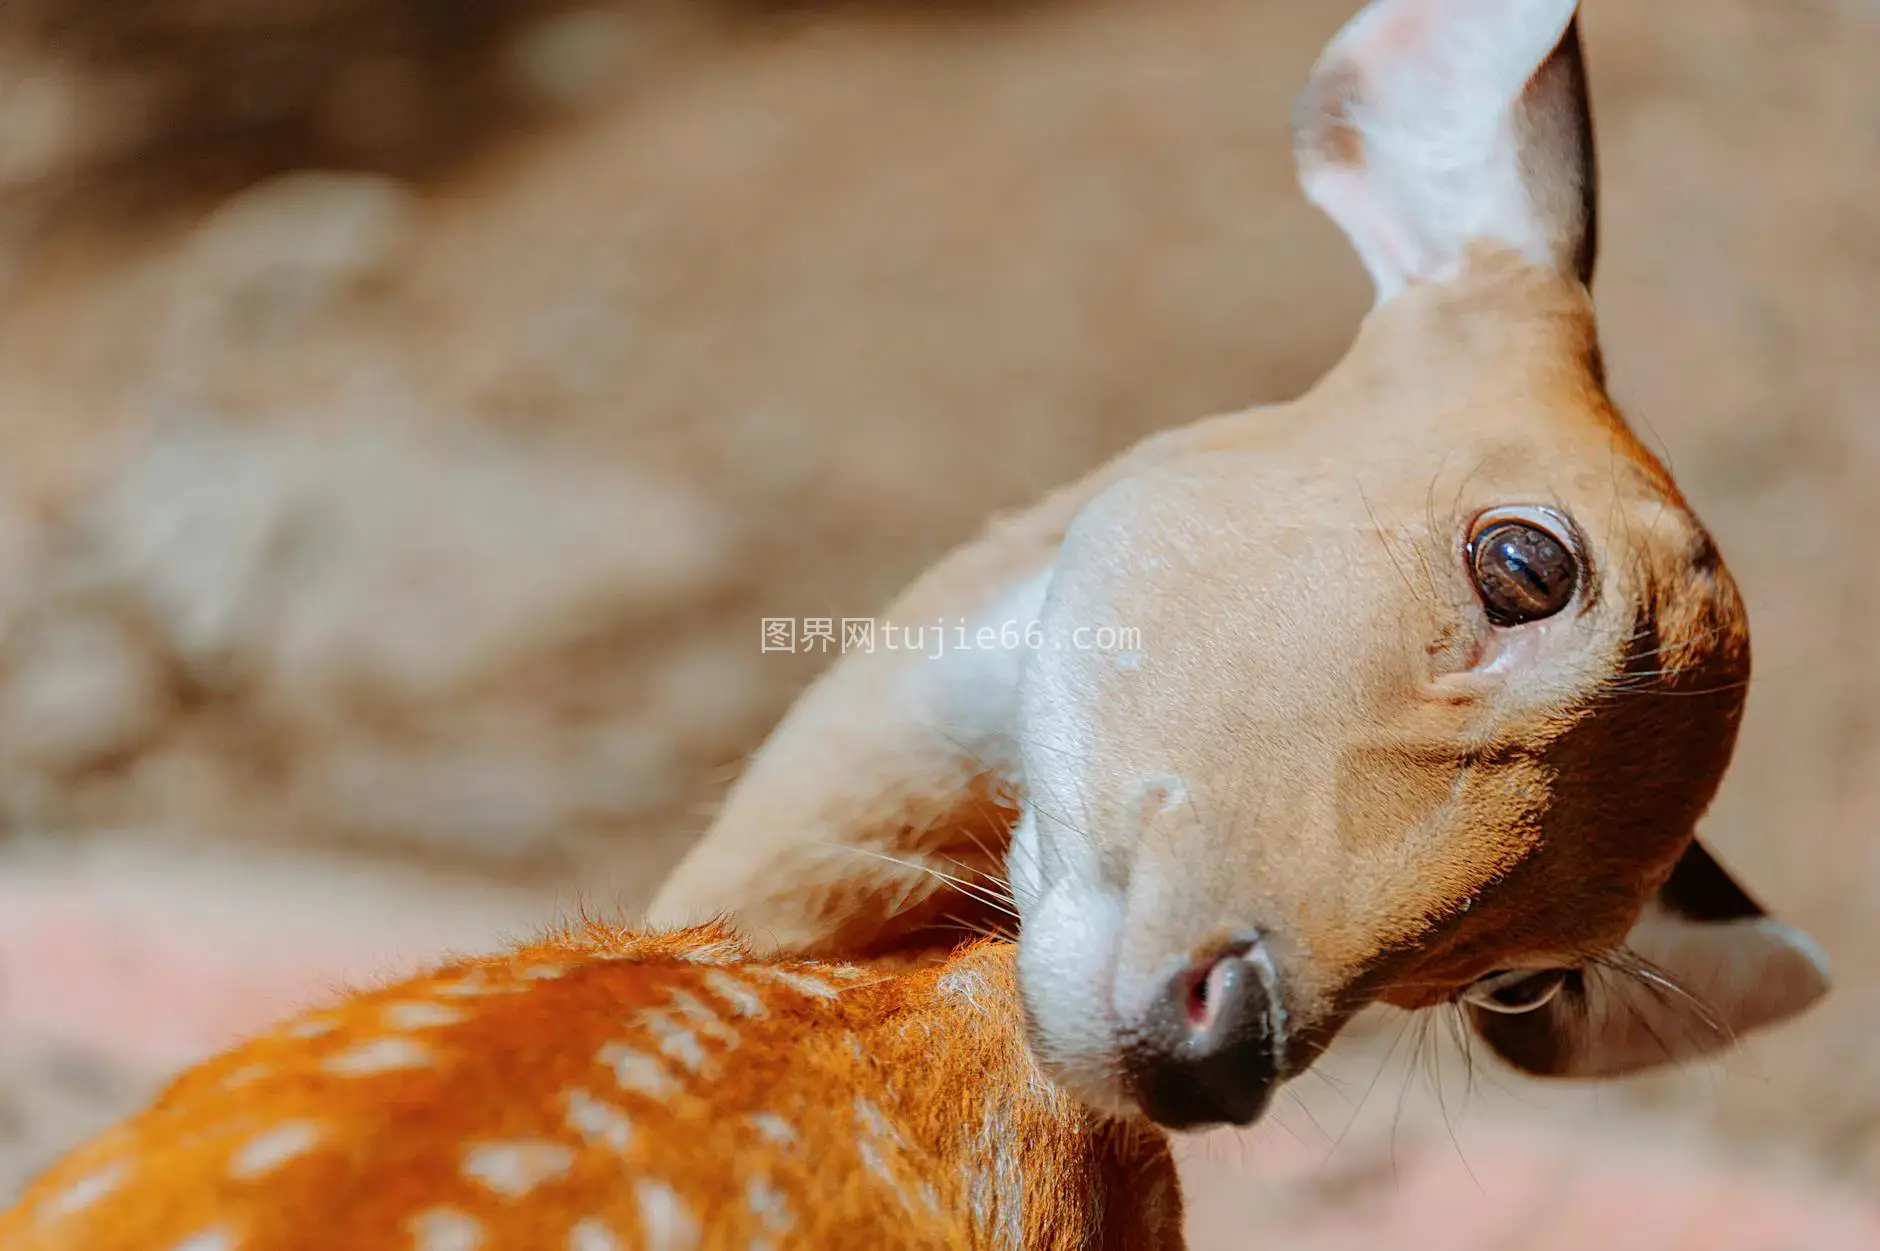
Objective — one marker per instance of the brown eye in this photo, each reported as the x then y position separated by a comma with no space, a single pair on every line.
1516,993
1522,572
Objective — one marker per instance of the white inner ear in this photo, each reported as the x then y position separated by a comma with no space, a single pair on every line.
1745,975
1427,90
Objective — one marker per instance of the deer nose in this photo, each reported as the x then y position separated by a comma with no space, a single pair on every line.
1208,1050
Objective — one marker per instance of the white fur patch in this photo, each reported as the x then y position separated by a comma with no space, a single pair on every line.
598,1121
676,1042
1068,951
445,1229
267,1152
207,1240
966,985
591,1235
421,1015
802,983
669,1224
743,1000
699,1015
382,1055
878,1142
773,1128
84,1192
245,1075
638,1072
768,1205
476,983
513,1169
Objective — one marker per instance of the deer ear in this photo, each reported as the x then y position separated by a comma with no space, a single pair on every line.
1702,967
1431,125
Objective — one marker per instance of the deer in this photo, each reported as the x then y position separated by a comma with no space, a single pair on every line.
604,1089
1438,670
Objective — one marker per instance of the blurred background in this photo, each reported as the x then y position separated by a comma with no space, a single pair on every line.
410,408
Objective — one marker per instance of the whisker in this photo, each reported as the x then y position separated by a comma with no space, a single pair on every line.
985,896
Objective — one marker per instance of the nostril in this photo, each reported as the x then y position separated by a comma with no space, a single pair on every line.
1208,1054
1209,984
1199,996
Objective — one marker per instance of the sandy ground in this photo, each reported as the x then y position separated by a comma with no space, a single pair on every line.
382,554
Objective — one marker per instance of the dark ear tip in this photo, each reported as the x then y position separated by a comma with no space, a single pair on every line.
1700,889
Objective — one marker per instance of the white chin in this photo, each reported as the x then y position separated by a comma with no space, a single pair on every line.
1067,955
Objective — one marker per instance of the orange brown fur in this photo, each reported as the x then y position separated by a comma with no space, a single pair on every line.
614,1089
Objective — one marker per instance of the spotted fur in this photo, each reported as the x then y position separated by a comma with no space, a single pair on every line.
608,1090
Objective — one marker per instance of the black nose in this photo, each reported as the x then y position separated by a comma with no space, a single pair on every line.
1207,1053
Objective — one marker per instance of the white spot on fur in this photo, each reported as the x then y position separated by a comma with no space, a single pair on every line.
513,1169
474,983
591,1235
382,1055
676,1042
768,1205
541,972
743,1000
421,1015
869,1117
207,1240
313,1027
773,1128
638,1072
976,1184
445,1229
967,984
701,1017
999,1195
878,1133
847,972
244,1075
802,983
877,1164
596,1120
269,1151
669,1223
84,1192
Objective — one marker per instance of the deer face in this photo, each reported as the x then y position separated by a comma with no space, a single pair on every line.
1438,670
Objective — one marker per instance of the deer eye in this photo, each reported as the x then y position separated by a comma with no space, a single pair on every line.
1516,991
1523,565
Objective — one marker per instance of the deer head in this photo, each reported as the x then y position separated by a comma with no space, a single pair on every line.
1437,670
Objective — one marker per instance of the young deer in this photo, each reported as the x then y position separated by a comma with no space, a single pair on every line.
606,1090
1437,673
